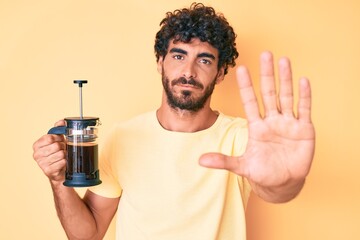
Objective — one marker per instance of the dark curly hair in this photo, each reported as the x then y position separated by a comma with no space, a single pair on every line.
201,22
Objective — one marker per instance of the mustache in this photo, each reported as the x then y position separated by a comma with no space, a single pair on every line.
190,81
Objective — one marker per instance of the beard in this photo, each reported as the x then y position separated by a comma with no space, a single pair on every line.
186,100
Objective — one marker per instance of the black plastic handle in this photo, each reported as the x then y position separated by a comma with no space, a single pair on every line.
57,130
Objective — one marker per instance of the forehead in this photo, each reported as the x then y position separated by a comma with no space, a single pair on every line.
194,46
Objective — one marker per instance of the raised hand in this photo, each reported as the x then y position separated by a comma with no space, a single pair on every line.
281,143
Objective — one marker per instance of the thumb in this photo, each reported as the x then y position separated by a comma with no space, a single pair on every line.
60,123
221,161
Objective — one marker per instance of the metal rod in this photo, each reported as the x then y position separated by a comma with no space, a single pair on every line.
80,82
81,103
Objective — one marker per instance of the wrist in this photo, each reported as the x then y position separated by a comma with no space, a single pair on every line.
55,184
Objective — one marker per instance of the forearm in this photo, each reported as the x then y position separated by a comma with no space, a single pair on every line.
75,217
279,194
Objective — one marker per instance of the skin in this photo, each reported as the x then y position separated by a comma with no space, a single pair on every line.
281,144
189,65
277,158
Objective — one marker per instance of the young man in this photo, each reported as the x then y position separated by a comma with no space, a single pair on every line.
161,169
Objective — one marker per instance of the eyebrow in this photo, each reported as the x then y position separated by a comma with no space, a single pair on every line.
207,55
200,55
178,50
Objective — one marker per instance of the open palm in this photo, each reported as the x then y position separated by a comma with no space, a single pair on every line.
281,143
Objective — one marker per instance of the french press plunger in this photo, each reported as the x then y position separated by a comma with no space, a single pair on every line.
81,147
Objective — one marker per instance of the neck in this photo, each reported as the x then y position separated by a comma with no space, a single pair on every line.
178,120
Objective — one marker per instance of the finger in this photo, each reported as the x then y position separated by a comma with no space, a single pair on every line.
58,157
47,145
247,94
304,104
60,123
50,155
286,96
46,140
53,148
268,86
221,161
49,152
53,166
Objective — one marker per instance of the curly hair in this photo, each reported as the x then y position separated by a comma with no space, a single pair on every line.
201,22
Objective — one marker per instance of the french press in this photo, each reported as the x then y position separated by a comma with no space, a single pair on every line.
81,135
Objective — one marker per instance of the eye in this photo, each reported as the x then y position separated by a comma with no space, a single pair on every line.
178,57
205,61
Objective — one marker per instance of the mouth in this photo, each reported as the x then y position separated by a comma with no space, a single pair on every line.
187,84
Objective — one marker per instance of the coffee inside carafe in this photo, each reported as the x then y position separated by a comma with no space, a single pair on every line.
82,158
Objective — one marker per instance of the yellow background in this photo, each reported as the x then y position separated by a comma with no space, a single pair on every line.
45,45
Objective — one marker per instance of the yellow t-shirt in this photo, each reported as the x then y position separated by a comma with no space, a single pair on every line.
165,193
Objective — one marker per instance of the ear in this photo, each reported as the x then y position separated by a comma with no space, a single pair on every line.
160,64
220,75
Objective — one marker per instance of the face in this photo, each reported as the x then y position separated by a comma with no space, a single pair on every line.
189,74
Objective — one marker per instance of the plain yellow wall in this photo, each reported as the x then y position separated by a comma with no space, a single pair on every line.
45,45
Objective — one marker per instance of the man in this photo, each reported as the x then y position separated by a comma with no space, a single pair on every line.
165,171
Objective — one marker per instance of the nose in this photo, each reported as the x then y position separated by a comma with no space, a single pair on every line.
189,70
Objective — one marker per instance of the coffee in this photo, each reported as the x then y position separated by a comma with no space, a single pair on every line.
82,158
